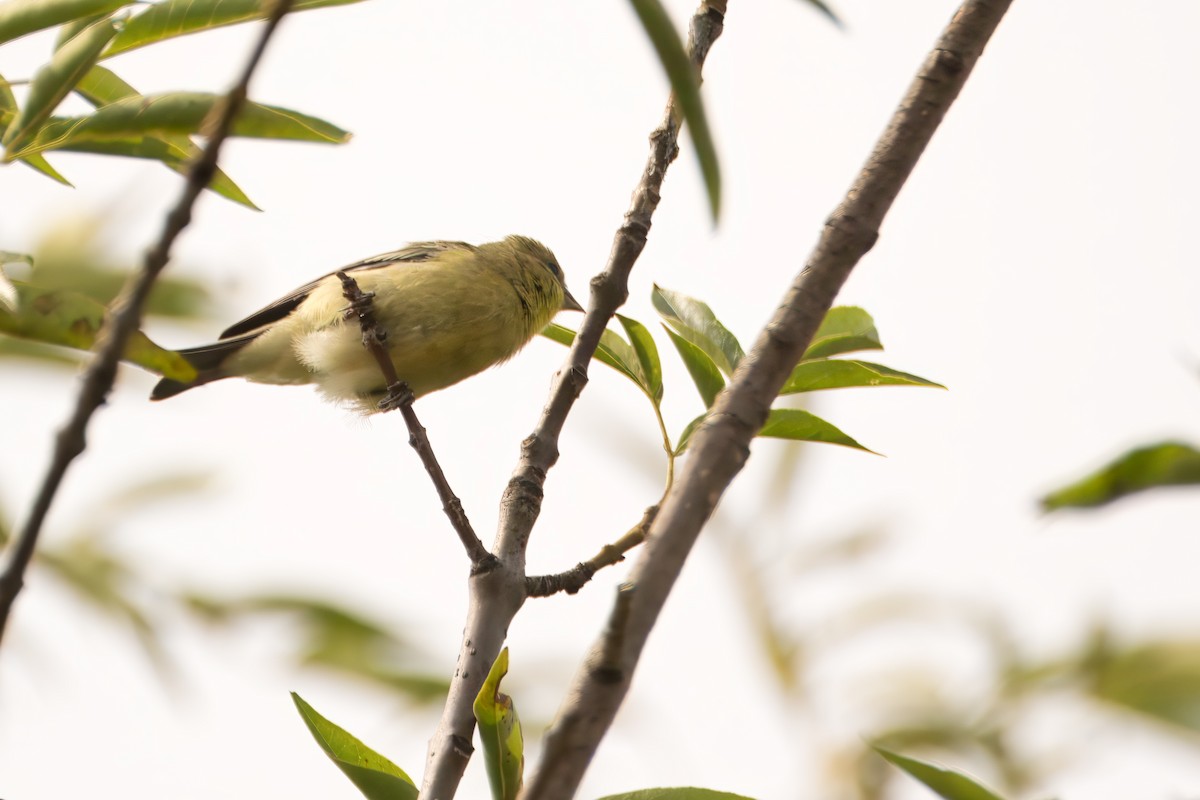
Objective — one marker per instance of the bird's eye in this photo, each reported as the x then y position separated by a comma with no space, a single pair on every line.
550,265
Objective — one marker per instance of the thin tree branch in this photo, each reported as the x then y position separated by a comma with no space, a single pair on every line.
574,579
124,318
720,447
497,595
399,396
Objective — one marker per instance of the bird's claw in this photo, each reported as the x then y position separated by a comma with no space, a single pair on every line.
398,395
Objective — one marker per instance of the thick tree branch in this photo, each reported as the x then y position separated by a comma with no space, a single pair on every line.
497,595
125,317
721,446
399,396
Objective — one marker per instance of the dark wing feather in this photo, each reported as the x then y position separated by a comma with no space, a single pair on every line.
418,251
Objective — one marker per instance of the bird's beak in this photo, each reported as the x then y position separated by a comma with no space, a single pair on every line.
569,302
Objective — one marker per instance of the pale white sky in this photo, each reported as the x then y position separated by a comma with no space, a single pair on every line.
1039,264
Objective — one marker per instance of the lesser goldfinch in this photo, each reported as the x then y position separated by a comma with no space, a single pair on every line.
450,310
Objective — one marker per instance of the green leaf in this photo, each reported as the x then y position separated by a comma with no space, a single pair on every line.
676,793
375,776
704,372
20,17
689,430
55,81
647,355
172,18
821,373
695,321
1151,467
1160,679
945,782
799,425
67,318
101,87
8,110
844,330
685,83
614,352
500,732
178,113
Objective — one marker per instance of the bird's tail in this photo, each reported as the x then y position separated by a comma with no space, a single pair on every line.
207,359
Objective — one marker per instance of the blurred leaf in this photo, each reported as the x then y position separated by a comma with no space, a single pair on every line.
19,17
613,351
1160,679
705,373
102,87
375,776
105,582
944,782
55,81
172,18
793,423
822,373
685,84
72,320
1151,467
675,793
500,733
845,329
647,356
824,8
695,322
178,113
337,639
70,256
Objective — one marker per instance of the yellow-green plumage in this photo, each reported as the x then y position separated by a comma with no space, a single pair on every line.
450,310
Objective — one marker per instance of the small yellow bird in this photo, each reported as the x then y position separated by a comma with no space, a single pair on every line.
450,310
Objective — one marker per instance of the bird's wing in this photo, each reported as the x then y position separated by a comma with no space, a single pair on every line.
418,251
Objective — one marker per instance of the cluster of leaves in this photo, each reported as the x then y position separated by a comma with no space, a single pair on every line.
378,778
711,353
125,122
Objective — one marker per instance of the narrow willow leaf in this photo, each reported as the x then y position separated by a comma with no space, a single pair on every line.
685,83
704,372
500,732
822,373
1139,470
19,17
695,321
70,319
179,113
689,430
612,351
172,18
647,355
945,782
176,151
375,776
55,81
799,425
844,330
676,793
8,110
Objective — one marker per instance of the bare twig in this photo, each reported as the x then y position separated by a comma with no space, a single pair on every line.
399,396
574,579
124,318
496,596
720,447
